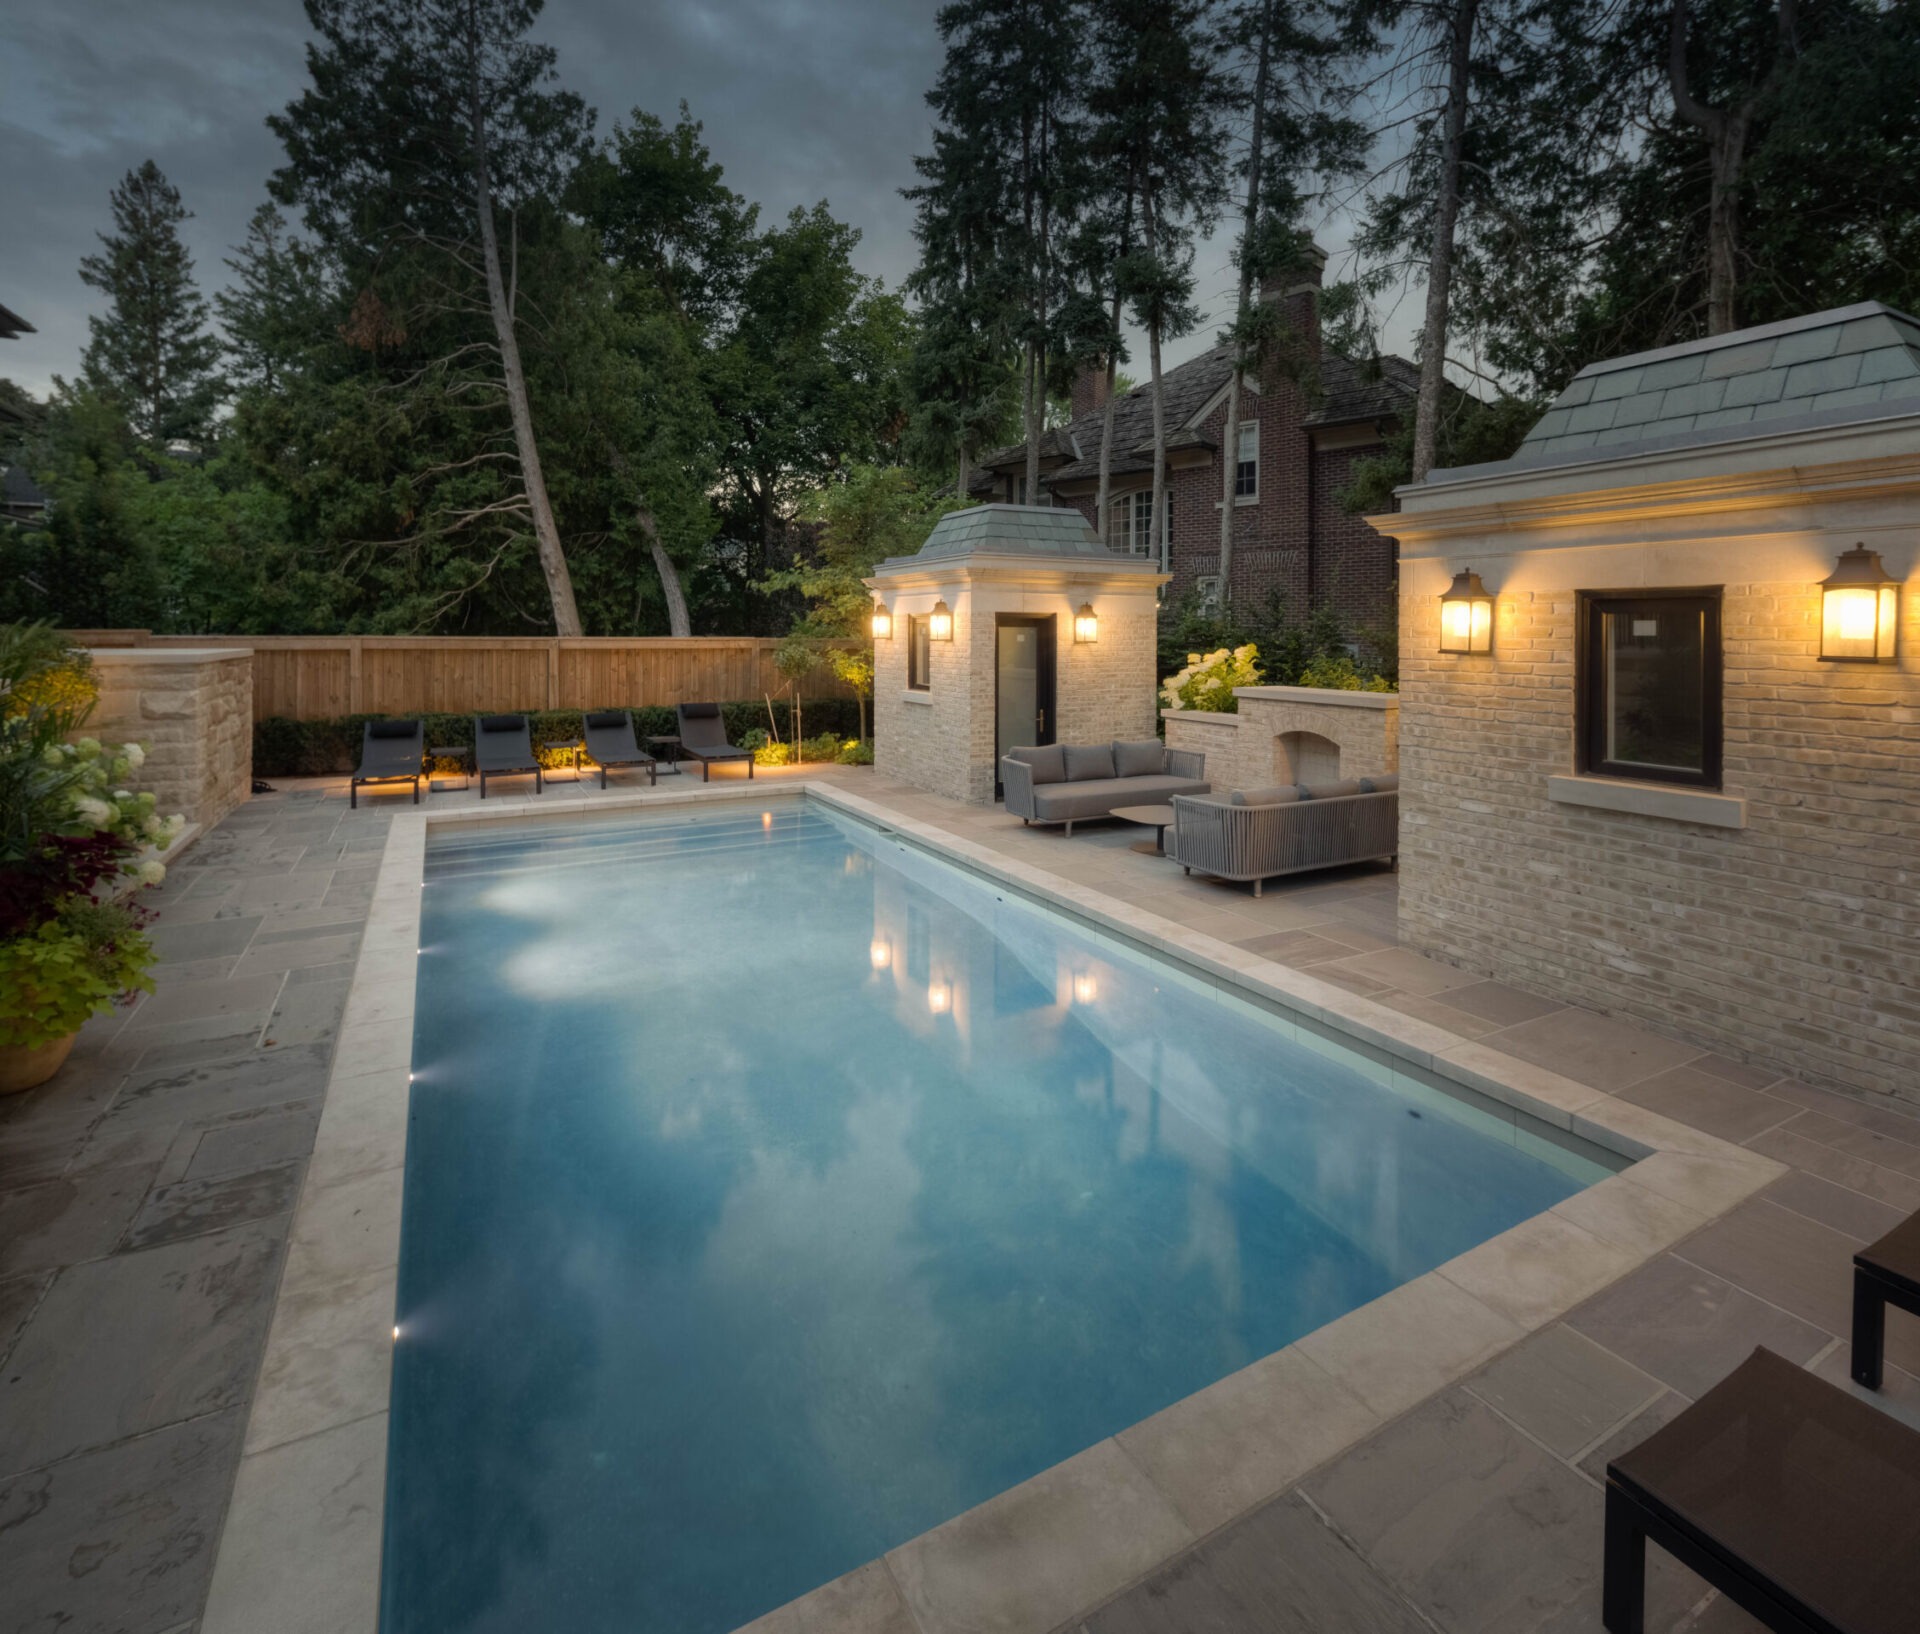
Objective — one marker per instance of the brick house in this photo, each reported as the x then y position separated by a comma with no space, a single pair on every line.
1296,450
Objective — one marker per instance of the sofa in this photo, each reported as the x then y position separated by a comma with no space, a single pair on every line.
1070,782
1257,834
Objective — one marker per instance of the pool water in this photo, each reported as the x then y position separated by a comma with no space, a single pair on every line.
776,1191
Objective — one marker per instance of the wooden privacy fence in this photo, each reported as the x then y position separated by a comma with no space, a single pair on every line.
317,677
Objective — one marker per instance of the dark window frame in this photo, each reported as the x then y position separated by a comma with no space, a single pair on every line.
919,653
1590,693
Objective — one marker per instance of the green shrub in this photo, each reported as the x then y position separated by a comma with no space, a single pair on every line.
288,748
86,958
1338,670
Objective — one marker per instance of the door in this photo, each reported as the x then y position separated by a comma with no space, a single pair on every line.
1023,685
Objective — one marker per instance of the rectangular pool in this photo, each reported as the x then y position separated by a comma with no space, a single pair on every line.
776,1191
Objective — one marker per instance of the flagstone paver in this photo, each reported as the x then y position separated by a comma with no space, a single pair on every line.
145,1201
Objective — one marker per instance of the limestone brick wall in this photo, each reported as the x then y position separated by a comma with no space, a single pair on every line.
1793,941
1247,751
942,739
193,708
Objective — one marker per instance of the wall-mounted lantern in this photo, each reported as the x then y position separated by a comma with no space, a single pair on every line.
1466,615
882,622
1859,609
940,622
1086,626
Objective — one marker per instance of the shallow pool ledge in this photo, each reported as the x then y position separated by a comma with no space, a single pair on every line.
300,1549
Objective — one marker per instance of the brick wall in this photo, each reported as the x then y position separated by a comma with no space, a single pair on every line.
194,711
1790,942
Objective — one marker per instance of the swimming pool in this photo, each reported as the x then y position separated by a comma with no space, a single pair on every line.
776,1191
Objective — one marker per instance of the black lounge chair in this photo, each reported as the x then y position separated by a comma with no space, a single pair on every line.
703,735
503,747
1797,1501
1884,1273
612,746
390,752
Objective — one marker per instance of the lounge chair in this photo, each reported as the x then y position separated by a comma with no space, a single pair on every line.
503,747
390,752
611,744
1797,1501
1884,1273
703,735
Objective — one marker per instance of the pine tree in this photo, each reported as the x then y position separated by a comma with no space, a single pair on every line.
152,353
1158,111
428,121
275,305
1291,131
1001,188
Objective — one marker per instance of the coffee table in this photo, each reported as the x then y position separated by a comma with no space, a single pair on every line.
1158,818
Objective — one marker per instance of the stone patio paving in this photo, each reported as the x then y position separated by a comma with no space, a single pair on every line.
145,1199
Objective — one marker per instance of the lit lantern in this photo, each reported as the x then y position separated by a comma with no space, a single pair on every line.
939,998
1086,627
1466,615
881,953
1085,988
940,622
882,622
1859,609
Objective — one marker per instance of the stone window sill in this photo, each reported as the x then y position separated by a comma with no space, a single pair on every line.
1680,805
916,697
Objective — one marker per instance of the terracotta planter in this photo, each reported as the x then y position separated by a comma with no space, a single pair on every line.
23,1068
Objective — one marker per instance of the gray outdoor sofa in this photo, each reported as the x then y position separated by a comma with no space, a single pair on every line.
1070,782
1257,834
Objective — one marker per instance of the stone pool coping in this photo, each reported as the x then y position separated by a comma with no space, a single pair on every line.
300,1550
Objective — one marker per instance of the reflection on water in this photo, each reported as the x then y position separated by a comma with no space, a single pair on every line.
775,1193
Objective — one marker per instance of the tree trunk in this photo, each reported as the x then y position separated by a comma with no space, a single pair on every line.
1162,544
1230,432
553,560
678,623
1103,499
1028,191
1725,131
960,482
1033,424
1433,333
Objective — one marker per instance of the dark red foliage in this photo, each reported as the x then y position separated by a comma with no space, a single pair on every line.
32,889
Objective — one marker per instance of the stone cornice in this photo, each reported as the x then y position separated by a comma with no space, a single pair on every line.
1020,572
1538,500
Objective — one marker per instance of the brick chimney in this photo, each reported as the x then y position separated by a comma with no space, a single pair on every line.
1297,289
1089,388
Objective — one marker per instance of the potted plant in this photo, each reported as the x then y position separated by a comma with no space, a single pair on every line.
75,840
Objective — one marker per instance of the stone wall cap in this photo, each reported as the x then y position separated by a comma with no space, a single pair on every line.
1339,697
164,655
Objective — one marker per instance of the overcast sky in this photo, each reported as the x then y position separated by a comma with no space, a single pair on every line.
802,100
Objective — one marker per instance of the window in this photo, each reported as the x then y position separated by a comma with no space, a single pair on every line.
1130,526
1246,471
1649,686
1208,589
919,652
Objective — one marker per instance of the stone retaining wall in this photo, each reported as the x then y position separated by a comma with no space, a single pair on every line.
193,709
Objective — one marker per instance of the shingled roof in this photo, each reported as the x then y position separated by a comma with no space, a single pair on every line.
1829,368
1015,530
13,326
1349,391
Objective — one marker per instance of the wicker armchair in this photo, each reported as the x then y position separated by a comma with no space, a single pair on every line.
1268,832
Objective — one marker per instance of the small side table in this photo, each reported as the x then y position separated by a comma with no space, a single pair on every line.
1157,818
577,745
666,749
449,751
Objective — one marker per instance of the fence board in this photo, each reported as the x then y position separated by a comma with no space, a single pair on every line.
316,677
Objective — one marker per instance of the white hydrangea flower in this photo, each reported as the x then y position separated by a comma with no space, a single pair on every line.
152,873
134,755
94,813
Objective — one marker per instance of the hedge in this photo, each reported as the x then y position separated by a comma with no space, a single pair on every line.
289,748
